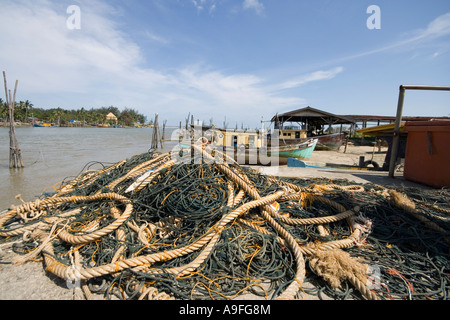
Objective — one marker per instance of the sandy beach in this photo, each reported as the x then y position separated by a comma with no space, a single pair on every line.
343,165
349,157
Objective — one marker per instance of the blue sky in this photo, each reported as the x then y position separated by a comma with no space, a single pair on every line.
234,59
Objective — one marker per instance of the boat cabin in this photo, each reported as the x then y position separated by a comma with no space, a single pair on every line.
242,139
291,133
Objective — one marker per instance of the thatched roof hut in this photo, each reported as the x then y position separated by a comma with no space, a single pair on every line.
111,116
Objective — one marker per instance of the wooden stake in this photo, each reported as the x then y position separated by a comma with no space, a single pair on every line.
15,156
155,138
163,133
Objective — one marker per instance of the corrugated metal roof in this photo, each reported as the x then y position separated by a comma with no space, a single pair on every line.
316,115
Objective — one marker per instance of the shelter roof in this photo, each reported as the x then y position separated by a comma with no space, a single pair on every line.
312,115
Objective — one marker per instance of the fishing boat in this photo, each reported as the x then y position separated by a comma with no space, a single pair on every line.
45,124
288,136
253,146
331,141
300,150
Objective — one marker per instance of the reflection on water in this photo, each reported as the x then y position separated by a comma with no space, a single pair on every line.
53,154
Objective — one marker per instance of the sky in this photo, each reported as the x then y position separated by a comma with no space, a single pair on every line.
229,61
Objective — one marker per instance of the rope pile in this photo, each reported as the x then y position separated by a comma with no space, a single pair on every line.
162,227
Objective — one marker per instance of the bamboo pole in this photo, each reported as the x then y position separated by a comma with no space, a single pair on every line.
155,138
163,133
15,156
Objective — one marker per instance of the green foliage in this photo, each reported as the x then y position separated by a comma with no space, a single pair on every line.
3,109
25,110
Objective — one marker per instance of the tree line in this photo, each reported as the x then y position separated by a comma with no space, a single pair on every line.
24,111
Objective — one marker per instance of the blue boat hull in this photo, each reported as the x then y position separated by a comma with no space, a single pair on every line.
302,150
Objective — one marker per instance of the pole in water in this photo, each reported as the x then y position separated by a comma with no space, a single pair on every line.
155,137
15,156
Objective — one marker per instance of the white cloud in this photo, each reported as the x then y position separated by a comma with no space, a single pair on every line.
253,5
154,37
198,4
439,27
202,4
99,65
242,95
39,47
314,76
436,28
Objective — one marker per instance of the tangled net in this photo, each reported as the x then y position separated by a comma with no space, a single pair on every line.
152,227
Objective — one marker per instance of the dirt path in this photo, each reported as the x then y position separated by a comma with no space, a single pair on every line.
350,157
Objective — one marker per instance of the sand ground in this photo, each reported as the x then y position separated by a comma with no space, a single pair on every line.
343,165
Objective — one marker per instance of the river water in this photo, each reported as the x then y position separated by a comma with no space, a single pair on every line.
53,154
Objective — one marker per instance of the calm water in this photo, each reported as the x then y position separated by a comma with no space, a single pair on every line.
52,154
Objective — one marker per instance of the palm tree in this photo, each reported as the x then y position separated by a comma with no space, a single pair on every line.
82,115
27,105
19,108
96,117
57,113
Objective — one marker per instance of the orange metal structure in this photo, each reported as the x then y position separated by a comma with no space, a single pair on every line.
427,159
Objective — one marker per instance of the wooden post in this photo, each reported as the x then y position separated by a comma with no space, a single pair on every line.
15,156
155,138
163,133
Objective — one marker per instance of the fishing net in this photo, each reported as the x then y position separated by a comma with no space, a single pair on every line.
156,227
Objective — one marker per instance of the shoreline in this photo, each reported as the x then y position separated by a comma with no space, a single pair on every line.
100,126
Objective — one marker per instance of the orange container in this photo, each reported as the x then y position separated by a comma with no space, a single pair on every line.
427,158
